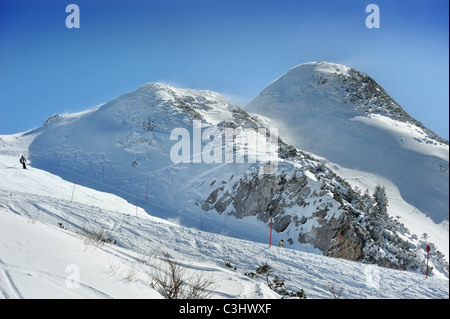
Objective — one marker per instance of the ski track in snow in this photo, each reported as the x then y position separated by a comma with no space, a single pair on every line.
7,287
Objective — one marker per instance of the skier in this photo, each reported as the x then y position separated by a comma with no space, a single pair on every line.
280,244
23,160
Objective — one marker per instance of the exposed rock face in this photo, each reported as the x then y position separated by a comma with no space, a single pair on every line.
299,207
347,241
261,196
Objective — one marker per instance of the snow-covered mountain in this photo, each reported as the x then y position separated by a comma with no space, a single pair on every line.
165,149
345,117
193,159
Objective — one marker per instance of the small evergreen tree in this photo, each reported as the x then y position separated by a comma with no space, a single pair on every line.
380,200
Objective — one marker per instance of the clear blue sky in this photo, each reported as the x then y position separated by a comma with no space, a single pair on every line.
235,47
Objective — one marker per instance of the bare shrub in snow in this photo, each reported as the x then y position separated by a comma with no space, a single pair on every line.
174,282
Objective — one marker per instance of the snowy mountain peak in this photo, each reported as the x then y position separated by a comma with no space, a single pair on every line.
172,93
306,69
344,116
324,87
324,84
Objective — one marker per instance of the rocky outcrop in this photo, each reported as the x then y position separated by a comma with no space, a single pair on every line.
298,204
347,241
314,206
261,196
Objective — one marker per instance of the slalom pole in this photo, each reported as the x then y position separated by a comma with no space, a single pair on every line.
428,254
73,191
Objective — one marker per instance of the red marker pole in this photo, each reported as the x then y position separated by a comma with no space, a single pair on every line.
428,254
270,239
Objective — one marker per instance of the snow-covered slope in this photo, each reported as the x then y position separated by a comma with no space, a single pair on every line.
124,147
131,147
345,117
43,255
